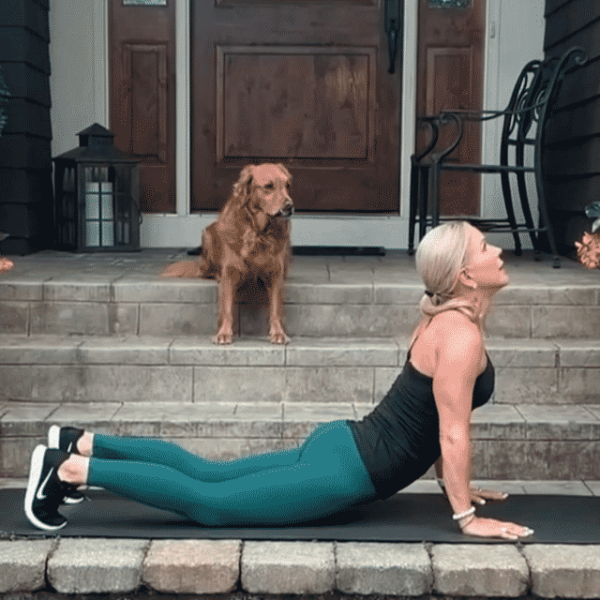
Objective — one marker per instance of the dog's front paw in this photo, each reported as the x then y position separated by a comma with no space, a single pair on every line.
278,337
223,337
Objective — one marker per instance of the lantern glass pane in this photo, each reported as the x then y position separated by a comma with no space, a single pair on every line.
92,234
66,207
68,184
92,200
124,212
68,234
99,206
108,233
107,200
449,3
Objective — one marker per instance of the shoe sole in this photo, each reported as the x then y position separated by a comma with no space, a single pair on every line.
70,501
35,473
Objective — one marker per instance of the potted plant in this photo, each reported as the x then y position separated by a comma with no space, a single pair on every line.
588,250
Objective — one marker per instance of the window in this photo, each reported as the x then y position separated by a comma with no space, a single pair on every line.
449,3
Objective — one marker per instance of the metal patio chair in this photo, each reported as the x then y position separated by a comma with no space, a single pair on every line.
525,120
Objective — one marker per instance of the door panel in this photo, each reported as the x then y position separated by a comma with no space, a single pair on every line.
269,100
146,67
301,82
142,95
450,76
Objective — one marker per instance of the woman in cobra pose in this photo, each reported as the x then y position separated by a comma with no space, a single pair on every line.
423,419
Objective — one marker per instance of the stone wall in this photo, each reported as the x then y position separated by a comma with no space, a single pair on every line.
332,570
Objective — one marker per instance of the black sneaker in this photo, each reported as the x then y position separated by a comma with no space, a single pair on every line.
65,439
45,490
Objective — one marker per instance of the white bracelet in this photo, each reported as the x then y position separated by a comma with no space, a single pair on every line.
462,515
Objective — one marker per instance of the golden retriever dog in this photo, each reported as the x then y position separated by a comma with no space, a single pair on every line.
250,239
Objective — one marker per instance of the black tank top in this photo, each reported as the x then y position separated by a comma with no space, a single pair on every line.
399,440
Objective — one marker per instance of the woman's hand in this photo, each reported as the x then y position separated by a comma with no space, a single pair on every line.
480,497
492,528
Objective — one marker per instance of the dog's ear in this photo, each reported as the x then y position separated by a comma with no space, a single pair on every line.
285,170
241,188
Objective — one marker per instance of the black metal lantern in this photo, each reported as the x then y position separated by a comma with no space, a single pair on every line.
96,196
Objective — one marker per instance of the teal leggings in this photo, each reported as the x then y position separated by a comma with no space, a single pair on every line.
323,476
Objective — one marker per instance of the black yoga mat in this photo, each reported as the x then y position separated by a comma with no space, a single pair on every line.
402,518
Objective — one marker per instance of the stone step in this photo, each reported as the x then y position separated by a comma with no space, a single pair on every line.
377,297
517,441
193,370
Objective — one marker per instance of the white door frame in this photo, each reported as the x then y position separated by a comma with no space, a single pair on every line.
182,229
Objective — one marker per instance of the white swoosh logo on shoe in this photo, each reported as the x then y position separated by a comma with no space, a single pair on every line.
69,448
39,494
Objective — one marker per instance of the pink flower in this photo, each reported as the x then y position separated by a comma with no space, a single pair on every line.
588,251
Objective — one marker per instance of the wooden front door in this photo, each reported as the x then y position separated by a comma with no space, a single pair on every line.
142,94
301,82
450,76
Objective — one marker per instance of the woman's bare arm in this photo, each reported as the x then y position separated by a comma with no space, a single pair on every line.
457,364
458,358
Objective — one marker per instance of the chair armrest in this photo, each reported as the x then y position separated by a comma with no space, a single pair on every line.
442,119
477,115
431,123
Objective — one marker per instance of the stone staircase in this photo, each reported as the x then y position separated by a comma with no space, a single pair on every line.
103,342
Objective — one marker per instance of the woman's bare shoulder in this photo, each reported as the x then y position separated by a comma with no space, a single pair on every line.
449,336
459,340
450,323
455,318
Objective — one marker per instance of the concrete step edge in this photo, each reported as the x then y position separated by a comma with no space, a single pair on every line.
508,441
350,287
257,351
287,420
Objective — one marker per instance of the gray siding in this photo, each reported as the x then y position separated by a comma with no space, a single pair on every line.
26,201
573,152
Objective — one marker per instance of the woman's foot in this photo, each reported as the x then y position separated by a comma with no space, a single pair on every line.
74,441
67,439
74,471
45,490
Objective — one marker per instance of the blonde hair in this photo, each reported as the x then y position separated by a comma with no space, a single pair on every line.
440,257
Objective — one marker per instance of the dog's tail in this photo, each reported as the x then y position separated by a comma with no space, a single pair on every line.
185,268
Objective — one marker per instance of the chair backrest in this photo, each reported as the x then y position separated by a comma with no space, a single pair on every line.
557,77
517,115
533,103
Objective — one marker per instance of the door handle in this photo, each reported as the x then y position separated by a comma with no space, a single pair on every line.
392,30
